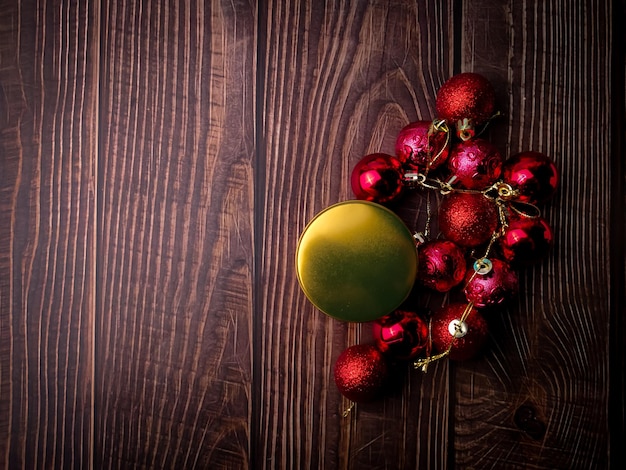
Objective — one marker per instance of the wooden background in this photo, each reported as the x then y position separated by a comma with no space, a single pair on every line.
158,161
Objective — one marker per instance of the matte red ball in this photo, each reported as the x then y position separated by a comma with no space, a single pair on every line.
466,96
475,163
377,177
533,174
419,145
526,240
493,288
470,334
401,334
360,373
442,265
468,219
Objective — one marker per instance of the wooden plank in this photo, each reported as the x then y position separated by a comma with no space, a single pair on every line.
175,244
548,358
339,80
48,141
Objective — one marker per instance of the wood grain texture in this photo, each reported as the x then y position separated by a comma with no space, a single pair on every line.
549,350
175,244
339,80
48,111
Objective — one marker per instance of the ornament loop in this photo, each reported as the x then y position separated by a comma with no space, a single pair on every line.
483,266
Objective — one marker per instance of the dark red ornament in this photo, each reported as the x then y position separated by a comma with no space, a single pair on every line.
468,219
491,287
361,372
475,163
401,334
466,100
441,265
421,145
377,177
467,337
533,174
526,240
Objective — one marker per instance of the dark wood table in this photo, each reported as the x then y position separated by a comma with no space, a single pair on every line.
158,162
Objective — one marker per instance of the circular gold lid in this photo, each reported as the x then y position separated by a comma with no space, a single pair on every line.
356,261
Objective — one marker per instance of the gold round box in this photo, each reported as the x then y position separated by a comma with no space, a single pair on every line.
356,261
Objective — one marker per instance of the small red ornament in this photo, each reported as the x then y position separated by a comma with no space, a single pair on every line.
441,265
467,100
533,174
467,219
361,372
377,177
421,145
401,334
476,163
491,286
467,337
526,240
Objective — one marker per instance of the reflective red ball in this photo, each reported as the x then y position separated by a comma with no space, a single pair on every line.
466,338
377,177
493,288
468,219
401,334
466,96
526,240
419,145
533,174
361,372
476,164
441,265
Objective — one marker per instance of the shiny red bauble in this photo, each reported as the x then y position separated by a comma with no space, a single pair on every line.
377,177
420,146
526,240
401,334
466,96
468,219
476,164
361,372
533,174
491,288
441,265
466,337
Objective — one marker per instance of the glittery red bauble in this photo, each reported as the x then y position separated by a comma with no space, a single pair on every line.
401,334
361,372
470,334
442,265
526,240
492,288
466,96
475,163
420,144
533,174
377,177
467,219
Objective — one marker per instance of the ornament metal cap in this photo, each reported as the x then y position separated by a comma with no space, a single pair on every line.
356,261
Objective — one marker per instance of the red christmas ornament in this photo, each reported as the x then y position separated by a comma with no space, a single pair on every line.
476,163
421,145
442,265
492,282
377,177
360,373
401,334
526,240
467,100
533,174
467,337
467,219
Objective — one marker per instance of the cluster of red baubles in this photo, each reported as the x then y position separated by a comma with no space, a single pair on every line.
488,203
